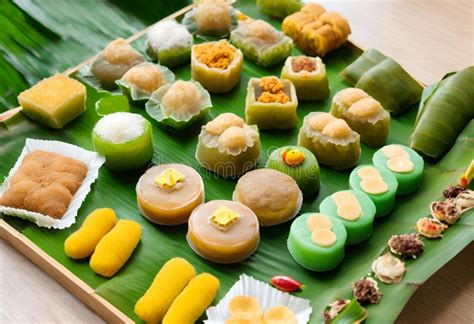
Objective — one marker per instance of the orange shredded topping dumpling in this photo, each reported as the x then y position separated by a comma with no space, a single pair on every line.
273,90
215,55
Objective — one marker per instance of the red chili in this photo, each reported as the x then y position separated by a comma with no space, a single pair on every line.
287,284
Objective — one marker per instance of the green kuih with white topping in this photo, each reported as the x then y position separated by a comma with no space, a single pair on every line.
355,210
316,241
142,80
364,114
262,43
405,164
125,139
331,140
300,164
308,75
180,104
169,43
378,183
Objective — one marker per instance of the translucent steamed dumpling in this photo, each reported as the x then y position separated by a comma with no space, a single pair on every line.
211,17
120,52
140,81
179,104
145,76
182,98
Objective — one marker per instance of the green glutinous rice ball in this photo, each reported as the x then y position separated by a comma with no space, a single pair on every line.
317,241
405,164
378,183
125,139
354,209
300,164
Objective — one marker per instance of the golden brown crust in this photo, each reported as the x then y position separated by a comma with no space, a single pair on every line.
45,183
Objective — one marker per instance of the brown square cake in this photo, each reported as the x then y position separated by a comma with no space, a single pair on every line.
45,183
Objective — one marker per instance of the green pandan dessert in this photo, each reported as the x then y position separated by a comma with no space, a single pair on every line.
378,183
124,139
308,75
261,43
316,241
300,164
354,209
405,164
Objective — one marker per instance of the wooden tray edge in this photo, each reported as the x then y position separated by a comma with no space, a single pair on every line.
62,275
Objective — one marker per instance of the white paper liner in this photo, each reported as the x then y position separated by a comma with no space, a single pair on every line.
267,295
93,161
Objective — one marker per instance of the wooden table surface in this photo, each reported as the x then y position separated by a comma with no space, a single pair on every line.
429,38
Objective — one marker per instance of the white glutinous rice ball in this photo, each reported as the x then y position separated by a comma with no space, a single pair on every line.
120,127
169,34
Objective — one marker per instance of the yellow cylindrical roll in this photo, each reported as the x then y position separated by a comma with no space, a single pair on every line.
193,300
168,283
115,248
82,242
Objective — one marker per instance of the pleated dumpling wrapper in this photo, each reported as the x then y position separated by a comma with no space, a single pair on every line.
142,80
172,278
54,101
211,18
317,241
385,80
355,210
316,31
168,193
115,248
363,114
280,8
378,183
331,140
180,104
216,65
445,110
308,75
228,146
223,231
112,63
261,42
193,301
273,196
271,103
169,43
405,164
81,244
125,139
300,164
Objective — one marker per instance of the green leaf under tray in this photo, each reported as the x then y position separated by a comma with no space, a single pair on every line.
160,243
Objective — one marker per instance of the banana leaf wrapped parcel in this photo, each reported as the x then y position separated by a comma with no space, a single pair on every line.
385,80
445,109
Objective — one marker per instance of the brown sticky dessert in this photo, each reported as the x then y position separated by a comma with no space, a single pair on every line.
45,183
215,54
272,195
168,193
223,231
303,63
272,90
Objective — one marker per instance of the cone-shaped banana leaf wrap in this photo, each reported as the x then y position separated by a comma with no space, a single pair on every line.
384,79
445,109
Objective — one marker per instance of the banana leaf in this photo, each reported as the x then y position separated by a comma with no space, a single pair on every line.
385,80
160,243
445,109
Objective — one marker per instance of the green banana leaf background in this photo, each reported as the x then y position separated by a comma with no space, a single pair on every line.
41,38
